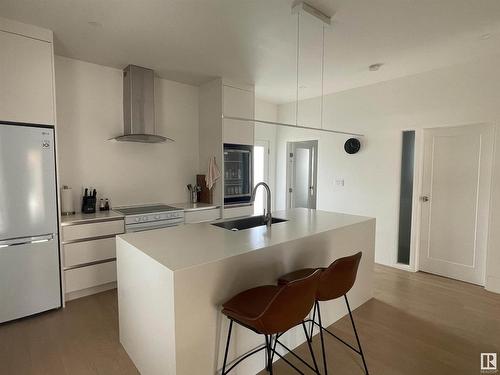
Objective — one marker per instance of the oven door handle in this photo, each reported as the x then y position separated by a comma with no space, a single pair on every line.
149,226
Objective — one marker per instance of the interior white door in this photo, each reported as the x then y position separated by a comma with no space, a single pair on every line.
302,174
455,201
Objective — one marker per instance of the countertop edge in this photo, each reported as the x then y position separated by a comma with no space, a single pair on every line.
284,214
367,219
68,220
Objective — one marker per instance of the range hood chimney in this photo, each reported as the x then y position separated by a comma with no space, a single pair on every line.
139,107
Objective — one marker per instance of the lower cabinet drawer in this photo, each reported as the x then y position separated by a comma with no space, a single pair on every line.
201,215
89,251
82,231
238,211
89,276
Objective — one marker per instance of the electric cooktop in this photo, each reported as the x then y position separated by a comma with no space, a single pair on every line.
146,209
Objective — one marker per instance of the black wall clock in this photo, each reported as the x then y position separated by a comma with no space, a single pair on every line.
352,145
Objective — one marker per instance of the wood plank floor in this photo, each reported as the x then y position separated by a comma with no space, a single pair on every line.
415,324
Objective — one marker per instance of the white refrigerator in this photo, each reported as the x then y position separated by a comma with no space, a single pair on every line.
29,247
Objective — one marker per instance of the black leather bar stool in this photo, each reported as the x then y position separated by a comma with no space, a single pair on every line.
271,310
335,281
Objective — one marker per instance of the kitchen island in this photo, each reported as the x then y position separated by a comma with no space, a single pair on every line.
172,282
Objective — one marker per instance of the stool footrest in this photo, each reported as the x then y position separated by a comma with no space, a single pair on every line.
334,335
241,359
295,355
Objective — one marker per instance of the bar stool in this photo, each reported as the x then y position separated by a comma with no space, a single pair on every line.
271,310
335,281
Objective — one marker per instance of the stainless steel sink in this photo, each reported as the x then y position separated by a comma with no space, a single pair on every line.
246,223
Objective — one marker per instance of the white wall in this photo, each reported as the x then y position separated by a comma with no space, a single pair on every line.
89,112
458,95
268,112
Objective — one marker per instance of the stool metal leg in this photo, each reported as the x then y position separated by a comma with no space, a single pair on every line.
310,338
227,347
310,349
269,353
322,338
356,334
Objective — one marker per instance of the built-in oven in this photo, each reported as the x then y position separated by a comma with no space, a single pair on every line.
238,162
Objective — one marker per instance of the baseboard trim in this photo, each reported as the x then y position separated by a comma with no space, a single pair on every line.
89,291
493,284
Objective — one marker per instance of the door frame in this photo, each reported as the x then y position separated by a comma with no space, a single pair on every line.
290,173
418,191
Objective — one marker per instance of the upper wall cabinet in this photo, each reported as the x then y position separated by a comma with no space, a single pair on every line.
220,97
26,79
238,102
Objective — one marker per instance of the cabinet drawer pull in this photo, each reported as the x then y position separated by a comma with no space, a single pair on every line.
91,238
90,264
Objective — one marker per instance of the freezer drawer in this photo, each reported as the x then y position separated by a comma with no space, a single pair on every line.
30,279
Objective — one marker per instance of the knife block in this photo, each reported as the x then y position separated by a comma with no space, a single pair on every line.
205,195
88,204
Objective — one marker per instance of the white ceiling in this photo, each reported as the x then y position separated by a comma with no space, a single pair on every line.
254,41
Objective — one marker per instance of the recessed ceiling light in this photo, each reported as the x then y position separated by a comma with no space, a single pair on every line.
375,67
95,23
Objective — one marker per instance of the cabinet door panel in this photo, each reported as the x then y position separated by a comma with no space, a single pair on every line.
238,132
89,251
238,102
90,276
232,212
82,231
201,216
26,80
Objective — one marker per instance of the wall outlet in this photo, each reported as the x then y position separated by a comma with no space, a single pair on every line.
339,181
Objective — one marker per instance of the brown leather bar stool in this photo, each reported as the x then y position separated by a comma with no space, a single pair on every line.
335,281
271,310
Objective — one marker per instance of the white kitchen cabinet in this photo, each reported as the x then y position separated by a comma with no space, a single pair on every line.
238,132
93,230
238,102
85,252
84,278
200,216
238,211
220,98
26,79
89,256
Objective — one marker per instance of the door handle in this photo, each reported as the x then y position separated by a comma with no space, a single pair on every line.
424,198
26,240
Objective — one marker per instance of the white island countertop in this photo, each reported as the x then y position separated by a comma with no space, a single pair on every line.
192,245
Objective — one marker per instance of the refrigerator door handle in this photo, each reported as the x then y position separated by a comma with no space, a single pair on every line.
26,240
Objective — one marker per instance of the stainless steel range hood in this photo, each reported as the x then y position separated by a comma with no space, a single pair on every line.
139,107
